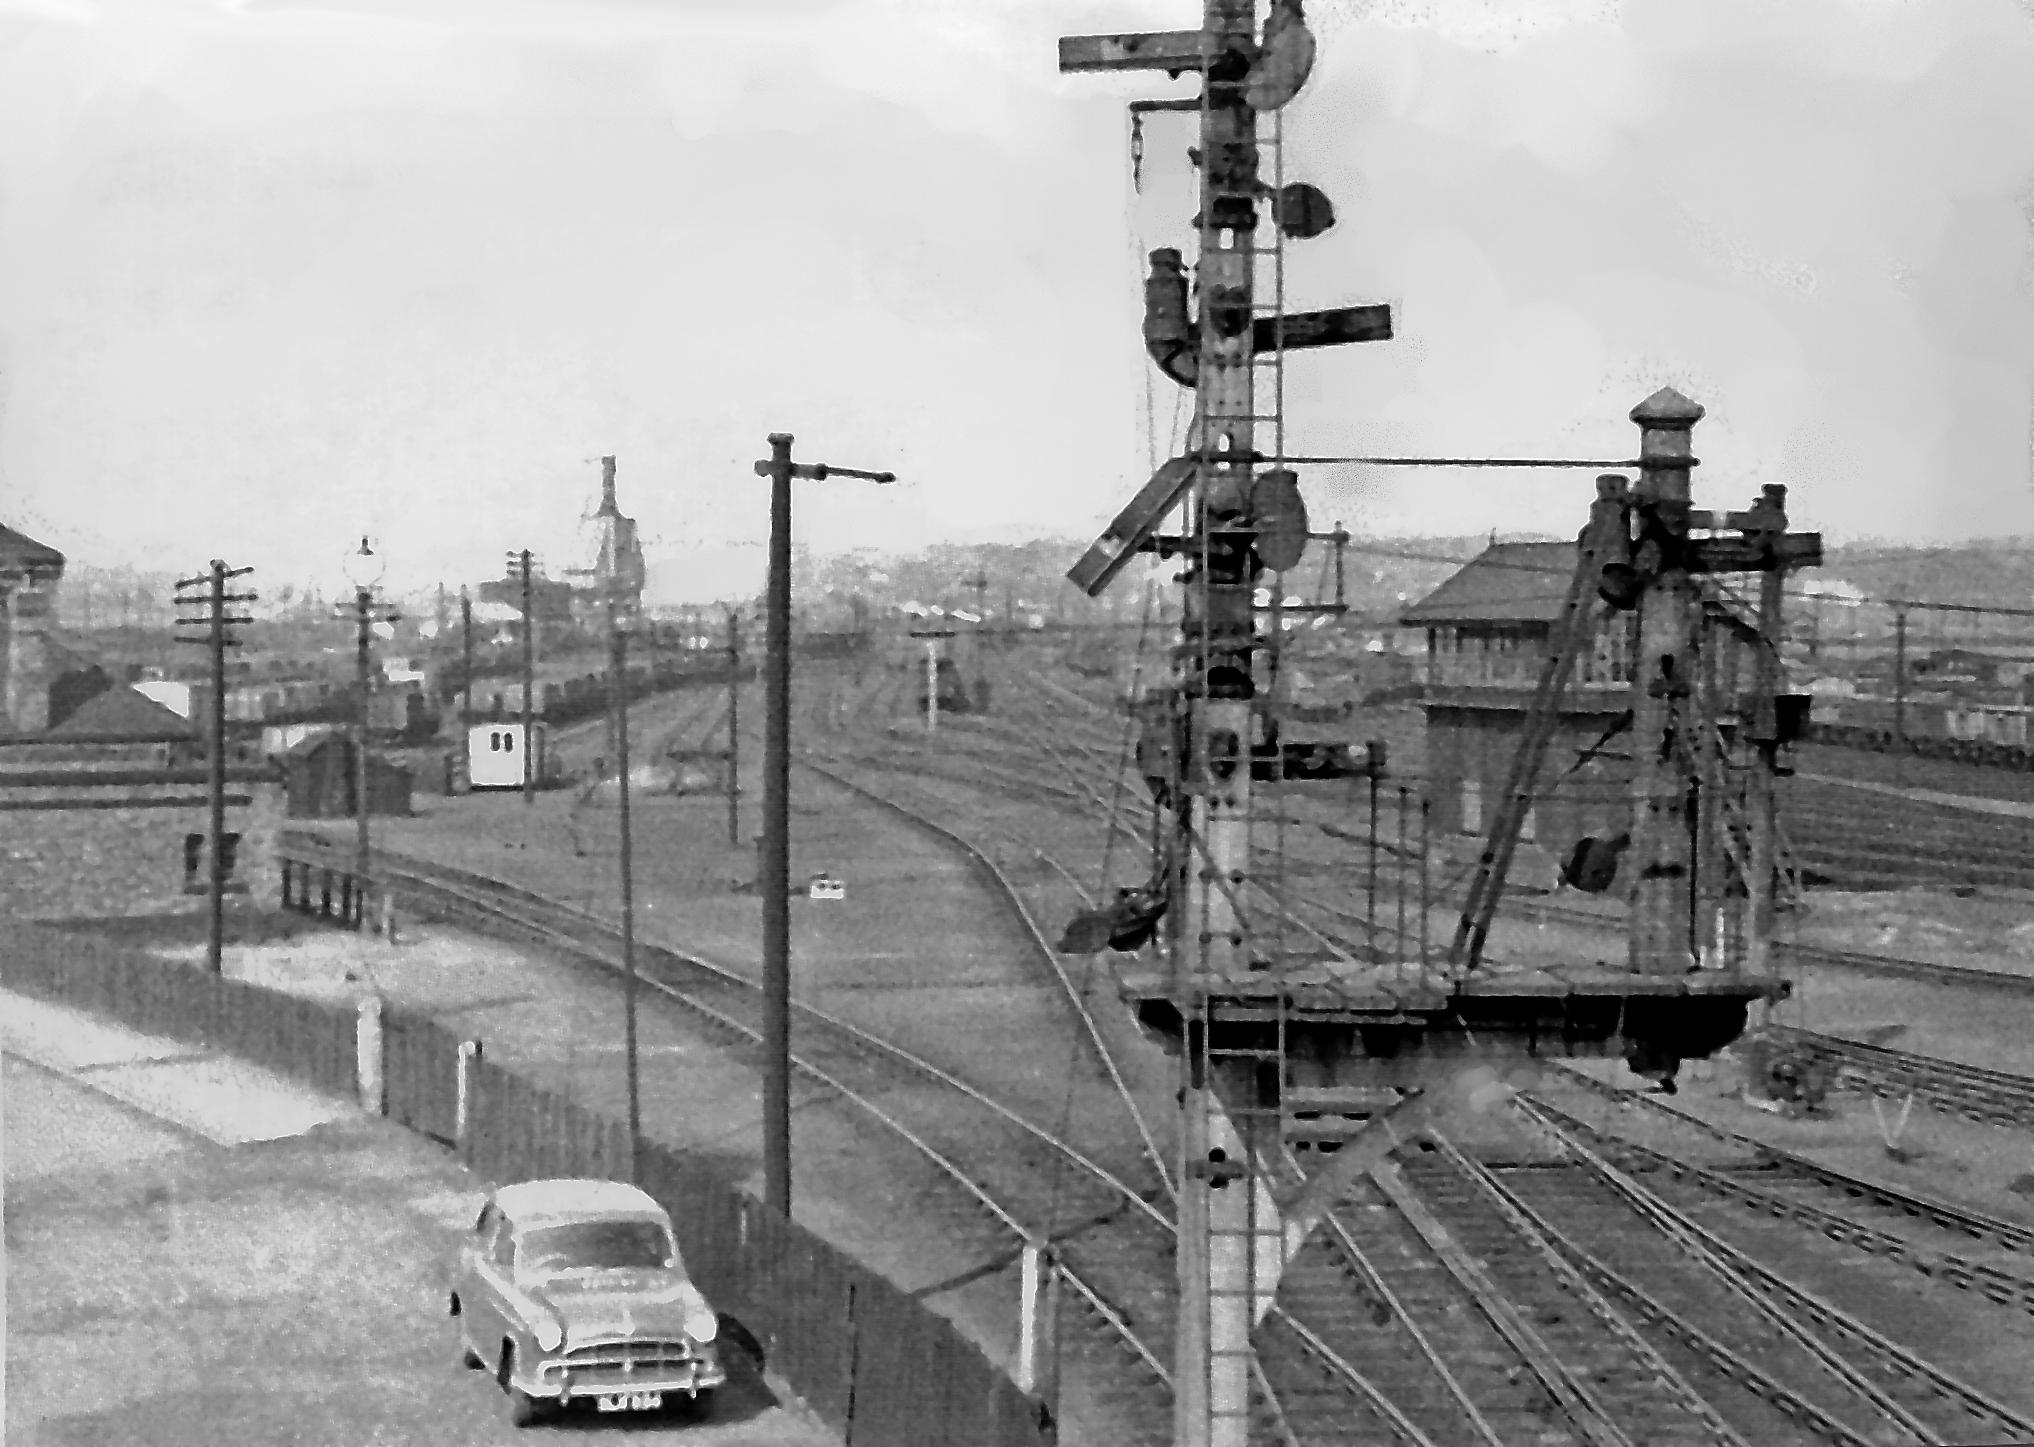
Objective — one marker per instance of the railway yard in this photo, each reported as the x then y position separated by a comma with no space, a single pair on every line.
1582,1262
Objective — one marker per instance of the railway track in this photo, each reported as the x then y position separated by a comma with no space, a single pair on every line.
1461,1303
1833,1366
1112,1240
1781,1177
1785,1191
1400,890
1993,1097
1727,1366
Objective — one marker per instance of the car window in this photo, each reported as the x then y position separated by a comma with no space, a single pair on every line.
596,1246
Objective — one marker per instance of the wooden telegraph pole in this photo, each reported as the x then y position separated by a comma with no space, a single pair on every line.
773,879
521,561
734,734
466,693
212,617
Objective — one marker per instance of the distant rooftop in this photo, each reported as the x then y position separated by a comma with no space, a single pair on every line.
122,713
21,553
1505,583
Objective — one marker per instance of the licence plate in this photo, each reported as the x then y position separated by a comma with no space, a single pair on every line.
629,1401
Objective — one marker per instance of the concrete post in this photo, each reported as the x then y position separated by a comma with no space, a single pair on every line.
469,1057
1662,911
1030,1319
367,1050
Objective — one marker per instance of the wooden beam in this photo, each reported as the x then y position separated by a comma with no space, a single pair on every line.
1172,51
1748,554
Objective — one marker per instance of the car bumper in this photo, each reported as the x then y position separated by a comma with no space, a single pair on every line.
567,1385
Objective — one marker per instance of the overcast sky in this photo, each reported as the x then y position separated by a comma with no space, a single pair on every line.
272,273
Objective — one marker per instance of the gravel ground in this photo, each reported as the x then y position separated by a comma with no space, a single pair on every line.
169,1292
560,1023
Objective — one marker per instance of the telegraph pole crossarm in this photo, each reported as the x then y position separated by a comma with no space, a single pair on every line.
773,879
215,621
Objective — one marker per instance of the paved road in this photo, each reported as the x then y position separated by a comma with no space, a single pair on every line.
165,1288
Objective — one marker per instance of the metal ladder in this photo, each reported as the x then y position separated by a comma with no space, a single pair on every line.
1244,1231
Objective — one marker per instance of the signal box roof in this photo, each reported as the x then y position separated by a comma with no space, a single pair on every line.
1505,583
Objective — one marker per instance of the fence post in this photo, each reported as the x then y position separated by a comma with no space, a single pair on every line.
469,1055
367,1044
1038,1285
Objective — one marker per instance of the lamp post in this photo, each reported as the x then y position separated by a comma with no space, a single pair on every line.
364,568
773,881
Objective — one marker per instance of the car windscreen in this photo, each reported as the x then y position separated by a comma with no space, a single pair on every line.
596,1246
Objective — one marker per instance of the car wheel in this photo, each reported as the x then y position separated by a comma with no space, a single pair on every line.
524,1410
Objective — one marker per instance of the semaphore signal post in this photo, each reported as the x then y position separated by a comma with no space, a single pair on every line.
1282,1048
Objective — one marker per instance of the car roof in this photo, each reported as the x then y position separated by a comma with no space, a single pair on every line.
528,1202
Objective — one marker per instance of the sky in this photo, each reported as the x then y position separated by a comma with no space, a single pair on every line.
275,273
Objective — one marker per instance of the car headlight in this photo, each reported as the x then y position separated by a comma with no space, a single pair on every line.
549,1334
702,1324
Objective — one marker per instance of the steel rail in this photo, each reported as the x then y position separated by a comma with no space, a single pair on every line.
1341,1369
1785,1300
1890,965
1673,1225
1044,949
2001,1287
401,867
1345,1372
1661,1371
2010,1234
1992,1096
1345,1244
566,943
1572,1396
1730,1363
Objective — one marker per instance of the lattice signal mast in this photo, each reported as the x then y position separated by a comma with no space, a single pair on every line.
1239,524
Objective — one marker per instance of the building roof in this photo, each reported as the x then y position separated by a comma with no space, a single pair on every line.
122,712
20,552
536,1200
1505,583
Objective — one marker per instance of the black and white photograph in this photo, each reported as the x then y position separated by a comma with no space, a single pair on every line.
1017,723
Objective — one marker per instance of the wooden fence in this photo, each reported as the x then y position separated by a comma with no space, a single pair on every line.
872,1363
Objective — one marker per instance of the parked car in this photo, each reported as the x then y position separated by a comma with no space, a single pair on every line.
573,1290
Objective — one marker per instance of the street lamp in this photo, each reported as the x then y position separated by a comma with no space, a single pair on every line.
364,568
774,881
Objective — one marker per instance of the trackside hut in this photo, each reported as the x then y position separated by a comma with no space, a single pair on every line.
1487,633
318,776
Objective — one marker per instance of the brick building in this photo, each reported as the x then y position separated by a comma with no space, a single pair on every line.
1487,631
29,659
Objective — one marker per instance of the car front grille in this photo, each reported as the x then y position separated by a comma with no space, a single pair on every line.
622,1364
